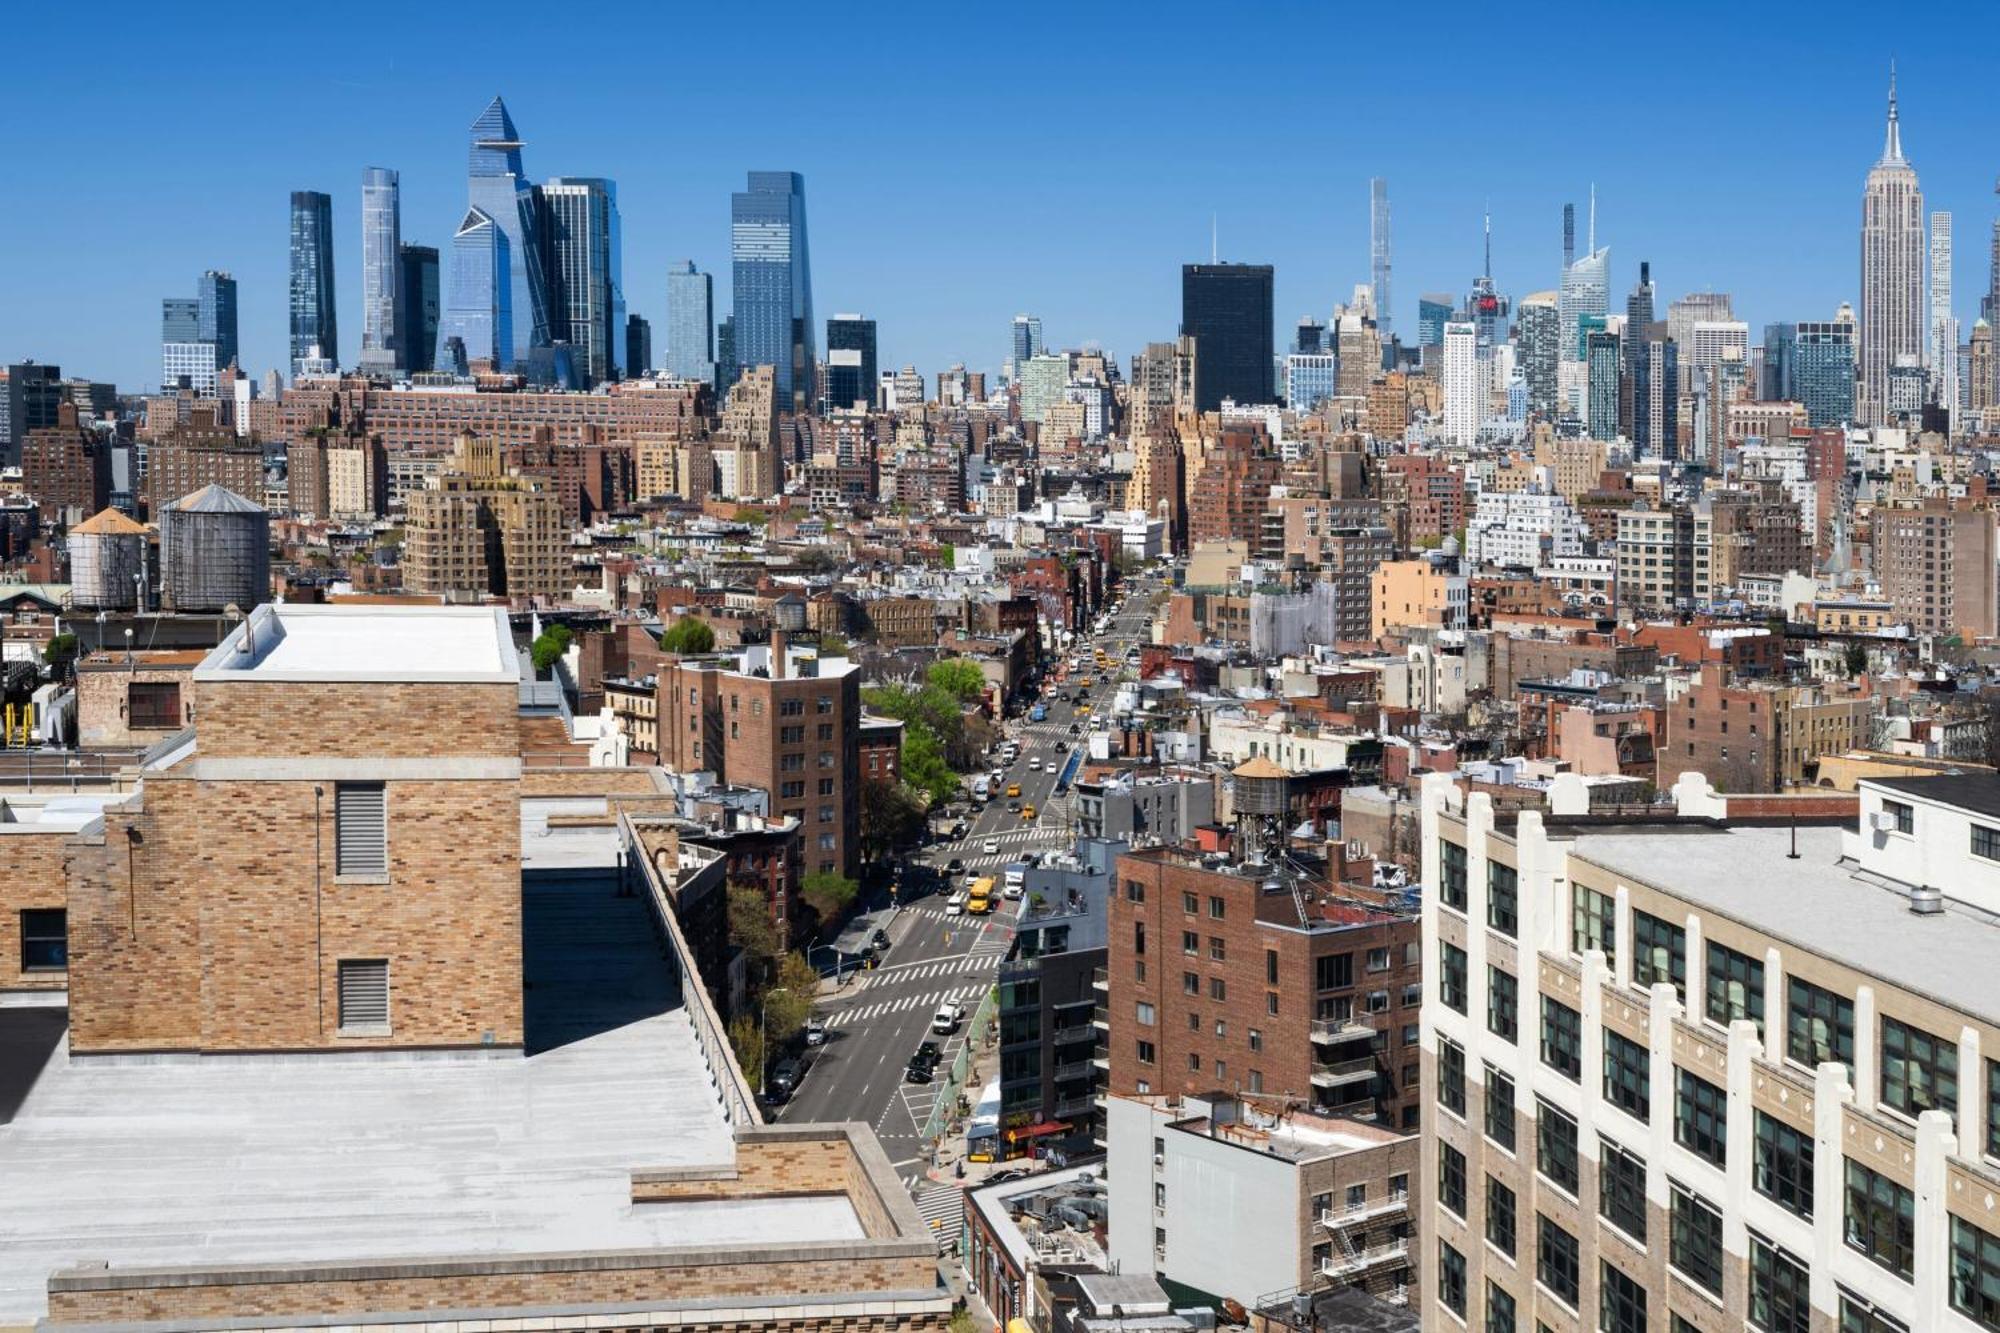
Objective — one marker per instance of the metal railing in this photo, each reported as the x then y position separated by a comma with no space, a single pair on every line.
1327,1075
1355,1261
1341,1029
1352,1213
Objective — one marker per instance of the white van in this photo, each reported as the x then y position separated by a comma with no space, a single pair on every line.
1016,881
955,905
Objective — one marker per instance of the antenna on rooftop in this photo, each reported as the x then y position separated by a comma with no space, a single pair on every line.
1214,249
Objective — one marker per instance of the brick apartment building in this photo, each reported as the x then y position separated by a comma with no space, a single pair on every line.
779,717
475,532
66,469
1214,980
342,475
1749,737
201,452
1937,566
591,474
1226,499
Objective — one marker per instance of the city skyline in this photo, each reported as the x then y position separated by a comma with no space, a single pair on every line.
1038,245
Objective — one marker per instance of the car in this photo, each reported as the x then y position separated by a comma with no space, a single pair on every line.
1061,747
1013,789
954,866
1013,807
1034,765
955,905
929,1052
947,1018
783,1082
1027,813
918,1072
1075,729
989,847
879,940
815,1031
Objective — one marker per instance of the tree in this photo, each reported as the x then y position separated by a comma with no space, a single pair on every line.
690,636
548,648
827,893
747,1041
962,1322
751,928
59,653
832,643
787,1002
924,765
1855,657
948,555
957,676
891,814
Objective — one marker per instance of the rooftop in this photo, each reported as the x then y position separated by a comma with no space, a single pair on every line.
417,644
1818,902
1976,792
1295,1135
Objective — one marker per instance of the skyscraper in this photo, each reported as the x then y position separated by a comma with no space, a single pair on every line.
1781,360
1027,340
638,346
1606,365
850,361
1639,306
772,283
498,189
1892,269
1538,336
381,247
417,307
315,332
1467,382
1434,311
587,308
1226,309
1378,252
1656,397
198,333
690,349
215,315
478,313
1586,288
1943,328
1825,369
726,365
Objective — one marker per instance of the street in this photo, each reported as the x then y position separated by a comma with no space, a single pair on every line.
877,1020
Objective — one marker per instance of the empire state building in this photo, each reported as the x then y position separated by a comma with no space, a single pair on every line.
1892,272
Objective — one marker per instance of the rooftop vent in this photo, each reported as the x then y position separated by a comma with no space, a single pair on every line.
1926,900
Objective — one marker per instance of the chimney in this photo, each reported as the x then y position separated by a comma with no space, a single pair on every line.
777,653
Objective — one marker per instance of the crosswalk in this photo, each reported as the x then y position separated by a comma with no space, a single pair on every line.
925,1001
943,1209
936,967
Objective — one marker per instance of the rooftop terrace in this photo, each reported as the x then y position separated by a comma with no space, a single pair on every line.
446,644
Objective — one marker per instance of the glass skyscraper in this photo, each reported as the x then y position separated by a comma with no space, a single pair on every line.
1780,374
1824,370
690,350
315,332
198,333
638,345
1585,292
1434,311
498,188
215,314
1226,309
588,298
1606,365
479,310
381,243
850,361
1027,339
772,283
417,307
1537,335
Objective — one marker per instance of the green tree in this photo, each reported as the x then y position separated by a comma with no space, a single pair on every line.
957,676
948,556
834,644
787,1002
924,765
828,893
747,1041
962,1322
1855,657
548,648
59,653
751,928
690,635
891,815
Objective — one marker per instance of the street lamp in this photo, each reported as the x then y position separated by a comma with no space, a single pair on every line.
763,1031
837,956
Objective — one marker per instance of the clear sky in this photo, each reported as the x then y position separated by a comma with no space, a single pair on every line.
967,162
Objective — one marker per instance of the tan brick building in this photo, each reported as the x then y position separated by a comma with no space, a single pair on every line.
65,469
475,532
133,700
201,452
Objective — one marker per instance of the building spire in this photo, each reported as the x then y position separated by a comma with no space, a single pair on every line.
1893,150
1488,270
1590,248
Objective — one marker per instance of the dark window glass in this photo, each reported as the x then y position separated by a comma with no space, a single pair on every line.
1503,893
1621,1190
1700,1113
1819,1025
1696,1243
1779,1301
1880,1219
1993,1108
1919,1071
1986,842
1905,815
1659,952
1593,921
1621,1304
1781,1165
1451,1076
1503,1003
1562,1038
1975,1273
1451,886
1451,1178
1333,971
1451,1279
1499,1310
1555,1145
1859,1316
1500,1108
1451,978
1735,986
1500,1216
44,939
1555,1259
1627,1076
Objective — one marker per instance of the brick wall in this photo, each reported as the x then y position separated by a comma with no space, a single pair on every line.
31,876
364,720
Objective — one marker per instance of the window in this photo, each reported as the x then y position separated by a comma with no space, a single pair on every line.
1694,1244
1503,892
1145,1052
1880,1218
153,704
1499,1310
1378,960
1500,1217
1217,950
1986,842
1334,971
1859,1316
44,939
1190,904
1993,1108
1593,921
1627,1074
1451,1279
1413,996
1217,989
1139,939
1194,1022
1271,967
1191,983
1221,1027
1700,1112
1194,1063
1451,977
1820,1025
1135,891
363,985
1621,1301
1378,1002
1503,1003
1621,1189
1451,879
1779,1300
1562,1038
1905,815
1500,1108
1451,1076
1919,1071
1659,952
1451,1179
360,829
1555,1145
1781,1165
1975,1273
1190,942
1735,987
1555,1259
1256,1040
1215,907
1145,1013
792,735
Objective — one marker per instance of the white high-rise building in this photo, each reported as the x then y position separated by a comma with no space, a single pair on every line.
1586,290
1711,342
381,246
1467,372
1892,270
1943,328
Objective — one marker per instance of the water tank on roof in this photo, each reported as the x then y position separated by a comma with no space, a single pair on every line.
215,552
1262,788
106,561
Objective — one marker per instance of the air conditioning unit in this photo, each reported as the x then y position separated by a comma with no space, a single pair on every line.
1882,821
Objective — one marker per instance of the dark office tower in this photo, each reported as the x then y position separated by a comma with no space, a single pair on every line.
1569,236
586,286
1537,340
850,362
33,402
1778,382
1226,309
215,315
1605,364
315,332
417,307
725,355
772,284
1638,314
638,346
1310,338
1434,311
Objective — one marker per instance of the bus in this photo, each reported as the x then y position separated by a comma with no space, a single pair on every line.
1039,713
979,898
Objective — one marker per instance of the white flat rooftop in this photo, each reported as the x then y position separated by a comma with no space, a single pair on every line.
283,642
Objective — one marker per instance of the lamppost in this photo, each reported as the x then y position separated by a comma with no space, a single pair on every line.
837,956
763,1032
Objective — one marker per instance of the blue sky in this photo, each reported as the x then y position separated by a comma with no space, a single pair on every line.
963,163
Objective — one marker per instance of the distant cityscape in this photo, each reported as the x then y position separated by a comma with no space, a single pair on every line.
567,821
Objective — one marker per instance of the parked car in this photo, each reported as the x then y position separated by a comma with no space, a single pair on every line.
917,1071
929,1052
947,1018
879,940
954,866
815,1031
783,1082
